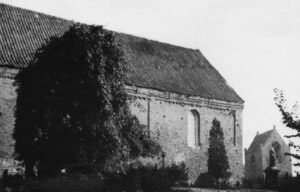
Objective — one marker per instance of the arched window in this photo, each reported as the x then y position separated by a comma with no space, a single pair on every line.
193,128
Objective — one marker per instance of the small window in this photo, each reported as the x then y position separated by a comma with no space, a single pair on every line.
193,128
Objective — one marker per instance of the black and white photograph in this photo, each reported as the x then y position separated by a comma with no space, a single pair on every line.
149,96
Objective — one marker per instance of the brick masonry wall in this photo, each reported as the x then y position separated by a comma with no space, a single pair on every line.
167,119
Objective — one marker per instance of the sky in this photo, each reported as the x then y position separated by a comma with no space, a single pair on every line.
254,44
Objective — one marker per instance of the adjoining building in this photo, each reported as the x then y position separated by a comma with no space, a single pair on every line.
178,92
267,149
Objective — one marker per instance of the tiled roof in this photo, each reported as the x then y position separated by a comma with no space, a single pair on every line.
258,140
151,64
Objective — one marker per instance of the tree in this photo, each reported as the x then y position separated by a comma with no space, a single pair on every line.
217,162
72,109
290,119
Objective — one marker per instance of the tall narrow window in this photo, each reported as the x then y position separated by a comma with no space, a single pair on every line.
193,128
252,160
234,127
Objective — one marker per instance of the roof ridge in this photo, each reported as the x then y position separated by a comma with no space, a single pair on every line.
155,41
259,139
265,132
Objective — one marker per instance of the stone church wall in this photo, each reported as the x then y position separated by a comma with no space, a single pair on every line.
166,115
7,106
255,169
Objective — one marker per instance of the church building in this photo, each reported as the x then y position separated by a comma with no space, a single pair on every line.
267,150
178,92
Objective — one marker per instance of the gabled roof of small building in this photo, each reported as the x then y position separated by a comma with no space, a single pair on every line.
151,64
258,140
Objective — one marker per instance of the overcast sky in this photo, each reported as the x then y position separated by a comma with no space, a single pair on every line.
254,44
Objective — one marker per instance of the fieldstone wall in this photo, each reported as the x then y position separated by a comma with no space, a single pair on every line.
166,116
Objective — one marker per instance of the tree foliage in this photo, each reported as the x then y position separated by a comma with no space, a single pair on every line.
72,109
290,119
217,162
